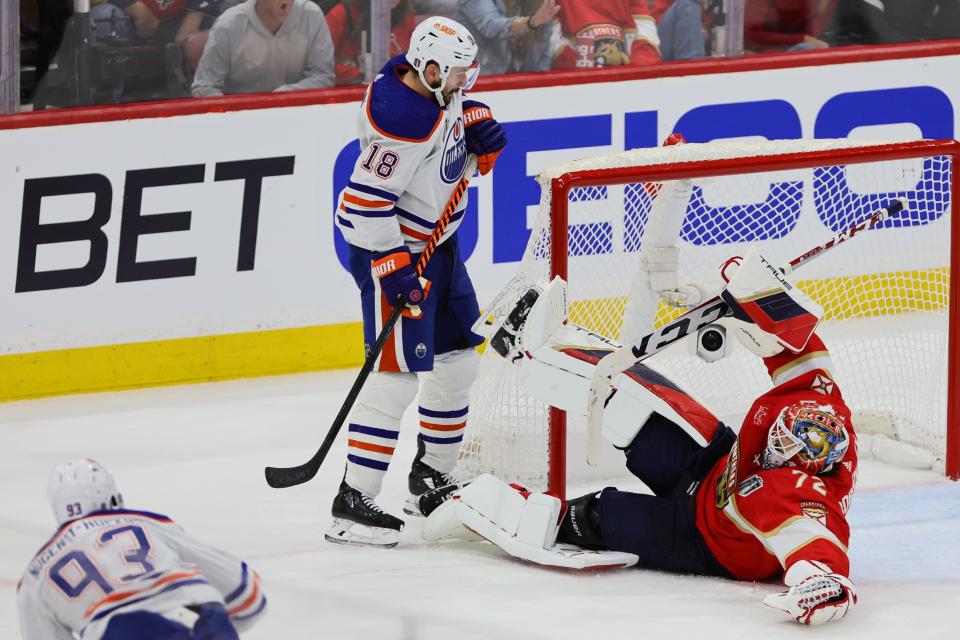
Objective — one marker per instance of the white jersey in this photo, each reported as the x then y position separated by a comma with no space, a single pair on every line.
413,154
116,562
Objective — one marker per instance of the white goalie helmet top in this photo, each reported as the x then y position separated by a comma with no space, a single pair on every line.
80,487
444,41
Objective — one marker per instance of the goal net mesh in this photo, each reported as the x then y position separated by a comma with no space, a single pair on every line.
885,294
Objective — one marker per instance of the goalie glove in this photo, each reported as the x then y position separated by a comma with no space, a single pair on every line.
817,598
769,313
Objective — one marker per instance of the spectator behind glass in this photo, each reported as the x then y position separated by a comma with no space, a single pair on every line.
428,8
513,35
346,27
266,45
680,28
605,33
870,22
161,21
781,25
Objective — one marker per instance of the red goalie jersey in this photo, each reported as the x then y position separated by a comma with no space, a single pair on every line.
605,33
760,522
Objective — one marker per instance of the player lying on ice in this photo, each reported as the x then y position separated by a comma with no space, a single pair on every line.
111,573
769,501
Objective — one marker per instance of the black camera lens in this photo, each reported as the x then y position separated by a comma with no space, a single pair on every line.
711,340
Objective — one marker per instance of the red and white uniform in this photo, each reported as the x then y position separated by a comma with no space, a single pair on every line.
118,562
759,522
604,33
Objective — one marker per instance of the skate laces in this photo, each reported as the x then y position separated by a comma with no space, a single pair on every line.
370,504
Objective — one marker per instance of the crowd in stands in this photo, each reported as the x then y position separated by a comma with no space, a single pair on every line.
234,46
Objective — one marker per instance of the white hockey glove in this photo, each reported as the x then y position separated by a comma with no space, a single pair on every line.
769,313
817,598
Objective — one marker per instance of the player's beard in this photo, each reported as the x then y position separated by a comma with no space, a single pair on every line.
447,93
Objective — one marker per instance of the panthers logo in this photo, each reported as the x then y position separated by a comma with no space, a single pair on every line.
602,45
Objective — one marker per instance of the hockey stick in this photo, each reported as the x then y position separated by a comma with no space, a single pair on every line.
282,477
621,359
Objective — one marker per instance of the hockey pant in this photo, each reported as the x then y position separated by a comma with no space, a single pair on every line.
670,440
212,623
448,313
375,421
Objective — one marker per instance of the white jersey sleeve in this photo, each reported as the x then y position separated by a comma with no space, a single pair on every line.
412,155
37,622
234,579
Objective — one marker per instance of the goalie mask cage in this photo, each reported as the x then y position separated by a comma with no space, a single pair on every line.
890,313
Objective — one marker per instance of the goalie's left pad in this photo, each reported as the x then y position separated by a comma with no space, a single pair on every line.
817,595
768,312
525,525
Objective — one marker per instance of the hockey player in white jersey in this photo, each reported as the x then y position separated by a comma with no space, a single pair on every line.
111,573
416,131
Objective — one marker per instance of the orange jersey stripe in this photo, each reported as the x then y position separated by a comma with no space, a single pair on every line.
413,233
388,356
377,448
250,601
363,202
123,595
443,427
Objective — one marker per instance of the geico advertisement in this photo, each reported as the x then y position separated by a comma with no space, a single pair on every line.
221,223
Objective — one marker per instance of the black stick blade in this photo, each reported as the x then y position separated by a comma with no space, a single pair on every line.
283,477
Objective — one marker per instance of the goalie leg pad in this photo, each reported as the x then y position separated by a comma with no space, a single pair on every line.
547,315
525,525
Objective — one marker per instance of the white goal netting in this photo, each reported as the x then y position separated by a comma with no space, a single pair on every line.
886,294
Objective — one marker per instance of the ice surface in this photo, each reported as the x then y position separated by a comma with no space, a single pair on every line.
197,453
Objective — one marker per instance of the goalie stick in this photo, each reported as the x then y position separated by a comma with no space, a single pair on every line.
708,312
283,477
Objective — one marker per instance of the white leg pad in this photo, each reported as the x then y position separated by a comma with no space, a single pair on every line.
526,528
548,314
444,524
557,378
631,406
562,381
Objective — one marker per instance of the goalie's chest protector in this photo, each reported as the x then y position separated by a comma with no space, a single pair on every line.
422,154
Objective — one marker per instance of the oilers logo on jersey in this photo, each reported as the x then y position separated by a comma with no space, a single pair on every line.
454,153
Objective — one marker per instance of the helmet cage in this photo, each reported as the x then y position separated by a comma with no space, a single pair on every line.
806,437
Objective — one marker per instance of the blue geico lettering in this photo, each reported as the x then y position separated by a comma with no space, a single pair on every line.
514,189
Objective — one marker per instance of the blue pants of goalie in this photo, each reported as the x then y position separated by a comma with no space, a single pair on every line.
212,623
661,529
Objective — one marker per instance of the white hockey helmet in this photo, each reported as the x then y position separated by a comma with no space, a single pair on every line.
80,487
445,42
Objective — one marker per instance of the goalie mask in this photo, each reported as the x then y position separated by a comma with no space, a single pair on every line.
808,437
78,488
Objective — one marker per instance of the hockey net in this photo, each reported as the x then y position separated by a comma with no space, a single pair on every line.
886,295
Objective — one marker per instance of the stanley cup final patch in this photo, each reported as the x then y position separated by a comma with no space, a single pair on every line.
749,485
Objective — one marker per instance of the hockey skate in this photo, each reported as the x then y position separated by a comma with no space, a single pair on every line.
359,521
504,341
429,488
